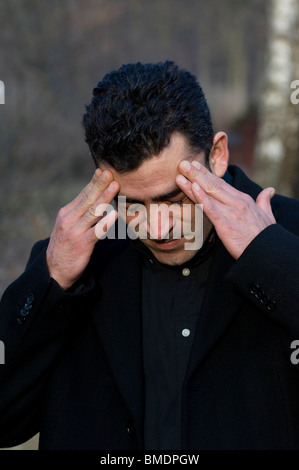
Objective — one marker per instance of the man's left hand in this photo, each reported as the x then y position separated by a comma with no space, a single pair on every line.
237,218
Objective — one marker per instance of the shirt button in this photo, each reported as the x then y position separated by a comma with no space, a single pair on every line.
186,272
186,332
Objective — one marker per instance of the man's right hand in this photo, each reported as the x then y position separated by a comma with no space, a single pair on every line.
74,236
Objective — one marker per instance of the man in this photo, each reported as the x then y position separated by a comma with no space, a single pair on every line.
145,344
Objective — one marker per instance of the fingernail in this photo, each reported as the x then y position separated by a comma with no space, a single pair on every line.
182,180
196,164
272,193
195,186
186,165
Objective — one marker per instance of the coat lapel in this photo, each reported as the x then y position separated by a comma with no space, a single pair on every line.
220,305
118,322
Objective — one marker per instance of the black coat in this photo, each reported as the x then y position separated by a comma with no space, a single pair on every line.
74,371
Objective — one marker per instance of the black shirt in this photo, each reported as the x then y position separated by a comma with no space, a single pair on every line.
171,302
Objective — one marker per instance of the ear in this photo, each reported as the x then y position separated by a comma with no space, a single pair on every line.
219,155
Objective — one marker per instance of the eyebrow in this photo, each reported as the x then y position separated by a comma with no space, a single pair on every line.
161,197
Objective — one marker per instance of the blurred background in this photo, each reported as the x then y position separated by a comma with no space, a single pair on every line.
245,54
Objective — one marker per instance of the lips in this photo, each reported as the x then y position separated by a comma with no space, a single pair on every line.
167,244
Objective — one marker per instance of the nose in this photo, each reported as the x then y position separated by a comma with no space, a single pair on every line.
159,222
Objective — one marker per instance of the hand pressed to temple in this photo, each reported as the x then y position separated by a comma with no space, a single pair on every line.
77,229
237,218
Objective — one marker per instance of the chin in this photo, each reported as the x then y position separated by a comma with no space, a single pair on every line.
175,258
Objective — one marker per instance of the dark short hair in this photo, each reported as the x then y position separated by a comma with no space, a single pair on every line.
135,110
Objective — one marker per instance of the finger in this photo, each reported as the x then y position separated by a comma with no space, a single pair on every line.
101,228
264,201
88,196
70,206
186,187
96,211
91,192
213,209
211,184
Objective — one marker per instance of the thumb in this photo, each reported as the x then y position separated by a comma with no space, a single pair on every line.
264,201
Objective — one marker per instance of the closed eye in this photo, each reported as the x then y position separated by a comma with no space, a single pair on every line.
180,201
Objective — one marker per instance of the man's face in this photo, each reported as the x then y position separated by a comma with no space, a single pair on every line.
154,183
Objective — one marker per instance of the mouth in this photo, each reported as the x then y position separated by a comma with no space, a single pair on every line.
167,244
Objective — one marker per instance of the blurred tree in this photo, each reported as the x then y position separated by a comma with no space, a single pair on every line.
277,149
290,168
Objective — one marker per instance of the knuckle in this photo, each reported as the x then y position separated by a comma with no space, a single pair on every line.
102,182
92,212
62,224
212,187
194,172
238,216
61,213
86,199
100,185
243,205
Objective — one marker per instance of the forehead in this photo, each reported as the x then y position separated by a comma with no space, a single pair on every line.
156,175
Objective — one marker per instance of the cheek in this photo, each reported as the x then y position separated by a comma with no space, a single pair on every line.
130,219
188,212
136,214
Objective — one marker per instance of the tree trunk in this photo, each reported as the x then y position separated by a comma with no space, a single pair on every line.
276,157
